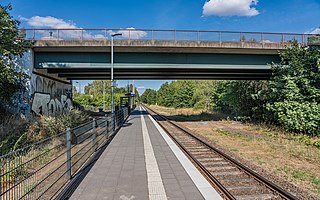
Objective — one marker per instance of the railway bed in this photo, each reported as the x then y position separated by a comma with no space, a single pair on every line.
231,178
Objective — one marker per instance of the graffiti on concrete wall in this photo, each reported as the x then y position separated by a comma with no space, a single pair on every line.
50,97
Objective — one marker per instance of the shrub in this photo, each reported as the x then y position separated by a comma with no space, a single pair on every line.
299,117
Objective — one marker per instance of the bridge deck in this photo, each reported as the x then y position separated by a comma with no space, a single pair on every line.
142,162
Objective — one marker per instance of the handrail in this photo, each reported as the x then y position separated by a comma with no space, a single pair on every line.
171,30
205,38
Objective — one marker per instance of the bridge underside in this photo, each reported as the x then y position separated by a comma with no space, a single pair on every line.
154,65
162,74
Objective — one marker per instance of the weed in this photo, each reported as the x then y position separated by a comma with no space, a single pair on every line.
29,189
316,182
298,174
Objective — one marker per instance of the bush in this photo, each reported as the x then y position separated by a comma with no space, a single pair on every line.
294,90
299,117
291,98
53,125
11,129
199,105
17,133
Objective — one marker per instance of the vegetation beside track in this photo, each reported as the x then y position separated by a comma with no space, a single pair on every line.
290,100
292,157
16,132
98,91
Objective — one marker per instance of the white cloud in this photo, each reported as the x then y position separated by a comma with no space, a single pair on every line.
315,31
267,41
55,23
48,22
230,8
132,33
99,36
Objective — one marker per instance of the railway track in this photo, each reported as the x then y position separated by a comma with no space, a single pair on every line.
231,178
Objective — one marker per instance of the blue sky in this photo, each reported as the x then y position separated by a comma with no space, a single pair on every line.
299,16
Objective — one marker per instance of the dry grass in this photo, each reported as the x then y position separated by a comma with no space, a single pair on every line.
292,158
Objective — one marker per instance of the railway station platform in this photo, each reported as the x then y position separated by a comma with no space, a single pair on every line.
142,162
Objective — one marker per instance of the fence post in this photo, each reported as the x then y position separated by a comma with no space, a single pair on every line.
129,36
68,153
198,36
81,35
94,135
114,121
107,128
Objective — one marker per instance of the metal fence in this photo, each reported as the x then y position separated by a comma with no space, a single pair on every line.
41,170
249,38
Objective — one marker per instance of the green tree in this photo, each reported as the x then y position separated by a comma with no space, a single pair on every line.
97,87
165,95
203,93
241,98
12,45
183,93
294,90
149,96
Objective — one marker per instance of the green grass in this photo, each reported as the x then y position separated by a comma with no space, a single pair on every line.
316,182
233,134
298,174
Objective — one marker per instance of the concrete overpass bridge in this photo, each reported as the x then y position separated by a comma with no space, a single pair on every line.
62,55
69,54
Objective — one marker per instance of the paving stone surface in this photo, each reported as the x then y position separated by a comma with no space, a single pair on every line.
120,173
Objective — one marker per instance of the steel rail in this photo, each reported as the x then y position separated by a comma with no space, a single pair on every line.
285,194
81,125
212,179
76,153
88,151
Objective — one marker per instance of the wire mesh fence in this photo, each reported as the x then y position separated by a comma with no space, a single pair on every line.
41,170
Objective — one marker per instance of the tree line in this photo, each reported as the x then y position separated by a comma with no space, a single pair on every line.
290,99
99,92
12,46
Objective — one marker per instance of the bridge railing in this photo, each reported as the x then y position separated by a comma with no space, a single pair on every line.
242,39
41,170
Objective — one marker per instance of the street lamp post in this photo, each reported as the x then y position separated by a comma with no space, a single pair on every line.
112,66
79,87
104,96
134,93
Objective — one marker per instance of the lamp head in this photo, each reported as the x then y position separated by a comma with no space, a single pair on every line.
116,34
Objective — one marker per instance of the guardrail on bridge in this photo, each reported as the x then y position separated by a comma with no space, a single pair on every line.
256,39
